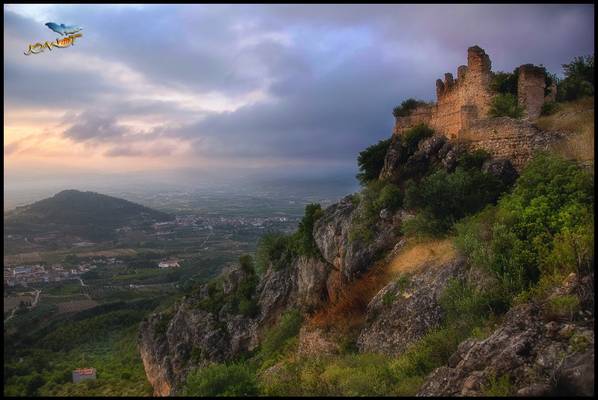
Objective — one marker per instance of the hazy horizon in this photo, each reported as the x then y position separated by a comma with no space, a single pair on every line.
156,94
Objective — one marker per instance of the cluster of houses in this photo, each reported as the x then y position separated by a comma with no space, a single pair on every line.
27,274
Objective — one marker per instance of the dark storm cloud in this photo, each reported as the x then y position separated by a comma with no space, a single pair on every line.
331,73
330,116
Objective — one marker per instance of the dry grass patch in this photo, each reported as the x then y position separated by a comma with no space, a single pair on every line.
575,118
349,312
413,257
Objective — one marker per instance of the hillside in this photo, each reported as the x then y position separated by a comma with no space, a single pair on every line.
464,266
401,288
89,215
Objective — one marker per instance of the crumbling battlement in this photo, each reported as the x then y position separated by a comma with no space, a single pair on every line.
463,101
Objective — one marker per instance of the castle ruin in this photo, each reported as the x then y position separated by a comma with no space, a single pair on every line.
463,101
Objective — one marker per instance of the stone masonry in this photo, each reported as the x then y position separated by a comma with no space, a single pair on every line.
463,101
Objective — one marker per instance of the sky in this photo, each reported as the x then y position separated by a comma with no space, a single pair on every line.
233,89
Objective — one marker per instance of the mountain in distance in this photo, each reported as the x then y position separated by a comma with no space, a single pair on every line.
90,215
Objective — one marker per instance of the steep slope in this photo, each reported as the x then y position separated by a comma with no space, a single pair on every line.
373,291
534,352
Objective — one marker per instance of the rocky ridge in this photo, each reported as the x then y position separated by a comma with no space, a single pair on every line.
403,311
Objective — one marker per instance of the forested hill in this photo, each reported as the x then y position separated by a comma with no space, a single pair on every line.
73,211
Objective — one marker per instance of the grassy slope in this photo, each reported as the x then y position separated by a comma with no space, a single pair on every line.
576,119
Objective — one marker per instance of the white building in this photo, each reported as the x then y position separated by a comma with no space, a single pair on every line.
168,264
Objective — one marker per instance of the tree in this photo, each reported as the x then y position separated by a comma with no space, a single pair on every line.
371,161
579,79
505,105
406,107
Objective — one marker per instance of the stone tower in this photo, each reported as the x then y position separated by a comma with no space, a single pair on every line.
530,89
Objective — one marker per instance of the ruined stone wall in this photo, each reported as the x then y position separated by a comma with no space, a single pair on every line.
421,114
530,90
466,100
505,137
459,101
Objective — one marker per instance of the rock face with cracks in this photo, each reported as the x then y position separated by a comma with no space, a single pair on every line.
534,352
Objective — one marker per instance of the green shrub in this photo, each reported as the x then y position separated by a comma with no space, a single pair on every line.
430,352
549,108
543,228
505,82
248,307
280,334
473,159
579,342
304,235
388,298
411,138
467,307
505,105
447,197
222,380
390,197
403,283
564,306
371,160
424,226
275,249
406,107
280,250
498,387
375,197
246,263
215,299
579,79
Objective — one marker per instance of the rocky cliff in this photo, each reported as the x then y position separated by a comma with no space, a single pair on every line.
534,352
210,325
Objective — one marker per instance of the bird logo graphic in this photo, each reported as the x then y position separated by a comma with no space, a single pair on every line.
68,32
63,29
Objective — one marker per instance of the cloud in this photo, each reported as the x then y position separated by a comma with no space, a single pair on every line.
91,126
301,83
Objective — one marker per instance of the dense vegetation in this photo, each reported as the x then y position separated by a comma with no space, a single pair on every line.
371,161
505,105
406,107
525,243
40,353
579,79
442,198
578,83
279,250
242,301
537,233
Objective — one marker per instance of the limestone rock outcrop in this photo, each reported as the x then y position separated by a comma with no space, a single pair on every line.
534,352
407,309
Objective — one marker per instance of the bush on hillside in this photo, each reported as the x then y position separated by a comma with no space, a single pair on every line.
549,108
410,139
579,79
505,105
406,107
505,82
543,228
279,250
447,197
371,161
375,197
236,379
